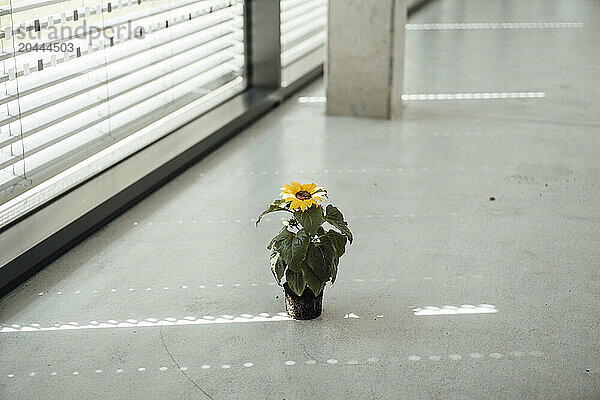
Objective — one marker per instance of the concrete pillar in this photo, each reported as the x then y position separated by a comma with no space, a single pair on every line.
365,61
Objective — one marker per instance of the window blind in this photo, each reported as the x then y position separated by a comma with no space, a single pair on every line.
303,29
77,78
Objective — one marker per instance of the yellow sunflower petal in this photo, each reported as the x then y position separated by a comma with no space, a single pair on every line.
305,186
295,204
287,189
310,188
313,202
296,187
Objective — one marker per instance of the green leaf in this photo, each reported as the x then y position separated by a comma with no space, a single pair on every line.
321,259
295,281
338,240
311,219
283,243
292,247
277,205
282,235
335,217
334,274
277,266
298,249
312,281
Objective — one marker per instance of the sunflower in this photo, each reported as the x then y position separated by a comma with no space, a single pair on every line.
302,196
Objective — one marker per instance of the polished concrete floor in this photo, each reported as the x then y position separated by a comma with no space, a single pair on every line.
445,294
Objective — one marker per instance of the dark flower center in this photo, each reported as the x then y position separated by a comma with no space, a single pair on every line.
303,195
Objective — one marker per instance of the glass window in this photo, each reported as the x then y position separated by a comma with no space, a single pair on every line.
303,34
85,83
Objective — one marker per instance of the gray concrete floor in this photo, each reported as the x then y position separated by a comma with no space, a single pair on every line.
416,192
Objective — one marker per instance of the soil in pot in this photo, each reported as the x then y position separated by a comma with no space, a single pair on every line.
307,306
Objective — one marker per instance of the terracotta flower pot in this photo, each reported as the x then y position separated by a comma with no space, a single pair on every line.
307,306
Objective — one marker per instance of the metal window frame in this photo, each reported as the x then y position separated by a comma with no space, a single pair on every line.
33,241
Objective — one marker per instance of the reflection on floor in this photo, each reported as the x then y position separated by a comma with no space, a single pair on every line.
474,269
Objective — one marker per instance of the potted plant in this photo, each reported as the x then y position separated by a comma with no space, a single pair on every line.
304,252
